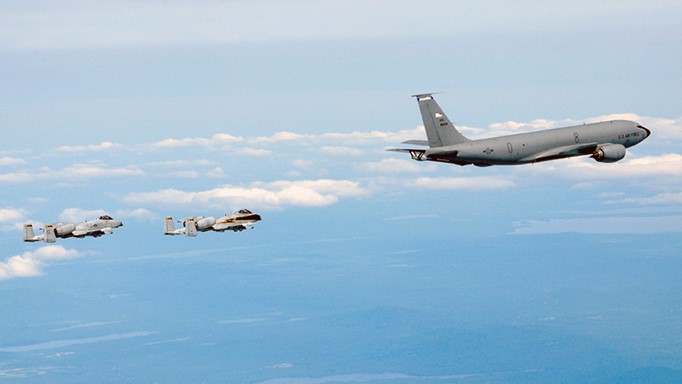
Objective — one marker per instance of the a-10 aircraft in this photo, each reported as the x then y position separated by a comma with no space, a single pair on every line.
603,141
238,221
104,225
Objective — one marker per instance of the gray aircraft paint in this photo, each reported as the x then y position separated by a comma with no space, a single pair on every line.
236,222
603,141
104,225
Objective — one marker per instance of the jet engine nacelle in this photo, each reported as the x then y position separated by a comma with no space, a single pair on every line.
205,223
64,229
609,153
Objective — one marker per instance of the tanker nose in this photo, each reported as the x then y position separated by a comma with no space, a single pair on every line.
647,131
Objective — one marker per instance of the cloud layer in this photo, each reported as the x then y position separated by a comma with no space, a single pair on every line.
260,195
32,263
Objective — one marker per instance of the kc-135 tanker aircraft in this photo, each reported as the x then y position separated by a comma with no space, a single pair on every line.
604,141
238,221
104,225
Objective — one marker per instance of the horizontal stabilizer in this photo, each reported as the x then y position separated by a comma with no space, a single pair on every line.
417,142
416,154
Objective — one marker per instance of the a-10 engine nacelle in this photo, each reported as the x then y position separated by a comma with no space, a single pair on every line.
609,153
64,229
204,222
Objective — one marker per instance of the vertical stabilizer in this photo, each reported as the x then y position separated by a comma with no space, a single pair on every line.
29,235
169,228
191,227
50,234
439,129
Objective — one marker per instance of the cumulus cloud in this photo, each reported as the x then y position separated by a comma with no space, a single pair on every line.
465,183
32,263
393,165
216,173
342,151
75,172
669,198
140,214
10,214
663,165
217,140
254,152
10,219
529,126
79,215
366,137
261,195
182,163
280,136
6,160
106,145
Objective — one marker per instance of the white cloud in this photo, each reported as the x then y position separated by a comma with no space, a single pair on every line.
139,214
11,219
182,163
393,165
216,173
254,152
217,140
342,151
272,195
6,160
280,136
530,126
79,215
10,214
75,172
32,263
106,145
670,198
663,165
465,183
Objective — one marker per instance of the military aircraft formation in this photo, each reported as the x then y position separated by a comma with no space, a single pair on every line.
104,225
603,141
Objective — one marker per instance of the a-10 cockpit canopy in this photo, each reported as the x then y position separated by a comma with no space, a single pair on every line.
245,211
105,217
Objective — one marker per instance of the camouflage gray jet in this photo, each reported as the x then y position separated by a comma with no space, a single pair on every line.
604,141
238,221
104,225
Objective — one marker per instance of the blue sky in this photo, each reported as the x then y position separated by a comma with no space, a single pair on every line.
147,109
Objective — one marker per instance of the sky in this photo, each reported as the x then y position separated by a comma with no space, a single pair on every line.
143,110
